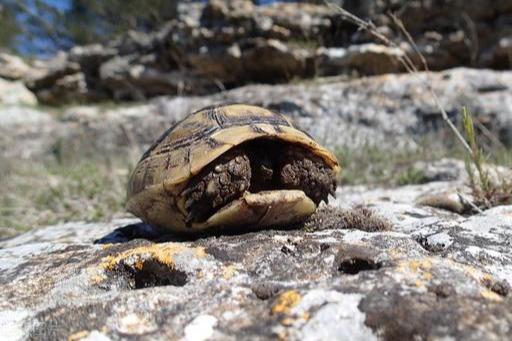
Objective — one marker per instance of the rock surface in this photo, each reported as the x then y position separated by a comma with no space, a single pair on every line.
432,275
27,133
388,111
15,93
13,67
224,44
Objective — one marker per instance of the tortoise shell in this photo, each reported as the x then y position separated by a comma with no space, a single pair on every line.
156,185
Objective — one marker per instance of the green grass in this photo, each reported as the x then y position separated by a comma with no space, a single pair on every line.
303,43
81,187
371,165
375,166
487,191
42,193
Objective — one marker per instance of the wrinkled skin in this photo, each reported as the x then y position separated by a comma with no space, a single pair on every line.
257,166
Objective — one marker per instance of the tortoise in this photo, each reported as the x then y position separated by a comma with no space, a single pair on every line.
231,165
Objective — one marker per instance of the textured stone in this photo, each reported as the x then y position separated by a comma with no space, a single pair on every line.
26,133
13,67
58,80
435,274
386,111
217,45
366,59
15,93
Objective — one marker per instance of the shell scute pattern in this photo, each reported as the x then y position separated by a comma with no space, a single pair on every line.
184,150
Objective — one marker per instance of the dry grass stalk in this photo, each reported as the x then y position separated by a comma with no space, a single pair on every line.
486,192
405,60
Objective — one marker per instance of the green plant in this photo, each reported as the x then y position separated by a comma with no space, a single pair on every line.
385,166
47,192
411,175
487,192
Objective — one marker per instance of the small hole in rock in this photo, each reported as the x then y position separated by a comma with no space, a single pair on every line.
353,266
501,288
152,273
324,246
442,290
266,290
287,251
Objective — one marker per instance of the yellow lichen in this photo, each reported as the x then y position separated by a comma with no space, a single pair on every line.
282,335
420,265
96,279
491,295
286,301
472,272
95,275
395,254
288,321
228,271
199,252
139,264
78,335
487,278
420,268
162,253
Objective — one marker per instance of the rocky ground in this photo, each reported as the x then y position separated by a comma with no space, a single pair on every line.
216,45
380,262
404,271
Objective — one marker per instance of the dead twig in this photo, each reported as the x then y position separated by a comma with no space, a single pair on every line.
406,61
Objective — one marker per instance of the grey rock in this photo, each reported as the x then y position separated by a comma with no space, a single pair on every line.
419,280
26,133
13,67
271,61
366,59
53,69
92,54
447,200
442,170
15,93
389,111
60,80
70,88
438,242
125,79
220,45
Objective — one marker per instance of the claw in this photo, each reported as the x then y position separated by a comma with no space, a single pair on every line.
189,218
187,191
333,192
189,203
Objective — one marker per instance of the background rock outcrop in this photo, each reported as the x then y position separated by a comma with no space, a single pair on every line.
387,111
15,93
225,44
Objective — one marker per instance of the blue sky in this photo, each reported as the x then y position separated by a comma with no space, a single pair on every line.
60,4
39,45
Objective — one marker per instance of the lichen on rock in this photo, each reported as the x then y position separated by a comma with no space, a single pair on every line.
420,278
